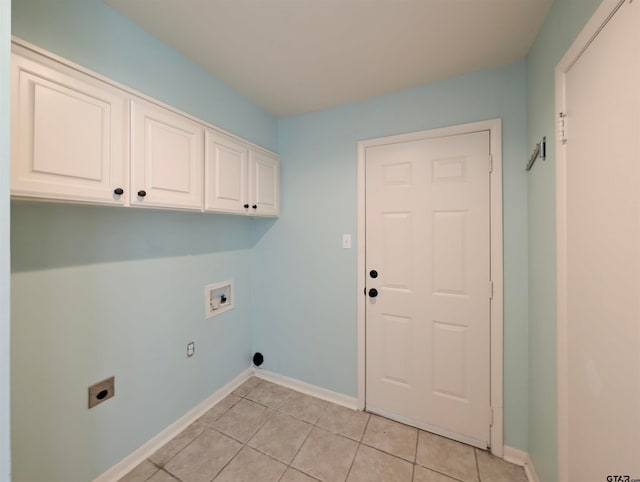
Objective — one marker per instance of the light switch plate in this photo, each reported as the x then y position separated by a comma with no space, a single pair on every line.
346,241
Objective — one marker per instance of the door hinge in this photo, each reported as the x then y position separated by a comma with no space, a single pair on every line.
490,289
490,163
490,416
562,127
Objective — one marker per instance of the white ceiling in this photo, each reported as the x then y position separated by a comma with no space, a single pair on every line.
296,56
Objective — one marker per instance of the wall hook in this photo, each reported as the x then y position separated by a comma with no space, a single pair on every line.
539,151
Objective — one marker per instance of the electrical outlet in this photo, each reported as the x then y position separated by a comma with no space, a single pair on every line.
102,391
191,349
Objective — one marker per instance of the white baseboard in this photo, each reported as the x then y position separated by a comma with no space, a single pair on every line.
515,456
138,456
523,459
307,388
530,470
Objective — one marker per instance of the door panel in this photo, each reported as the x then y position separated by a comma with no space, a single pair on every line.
449,232
225,174
396,348
166,144
427,235
396,250
166,158
264,184
449,360
68,135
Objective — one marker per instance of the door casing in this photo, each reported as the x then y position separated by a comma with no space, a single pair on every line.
494,126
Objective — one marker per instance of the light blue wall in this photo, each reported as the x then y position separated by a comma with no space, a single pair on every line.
101,291
5,31
304,283
563,23
98,291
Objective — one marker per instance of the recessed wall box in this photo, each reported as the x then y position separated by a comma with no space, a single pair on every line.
218,298
101,391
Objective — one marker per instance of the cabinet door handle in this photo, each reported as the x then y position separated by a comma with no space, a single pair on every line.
255,206
142,193
118,191
373,293
246,206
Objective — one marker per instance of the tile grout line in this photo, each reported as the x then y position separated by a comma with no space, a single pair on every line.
171,475
314,425
228,462
205,426
243,444
178,452
431,469
415,457
246,444
353,461
378,449
366,426
395,456
296,454
277,410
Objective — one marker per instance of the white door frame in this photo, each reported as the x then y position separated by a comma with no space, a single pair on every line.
601,16
494,127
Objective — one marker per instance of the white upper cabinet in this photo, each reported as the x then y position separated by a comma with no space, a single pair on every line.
225,174
240,178
264,183
166,158
68,135
78,136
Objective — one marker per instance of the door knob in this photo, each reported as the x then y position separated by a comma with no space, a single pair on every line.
373,293
142,193
118,191
373,273
246,206
255,206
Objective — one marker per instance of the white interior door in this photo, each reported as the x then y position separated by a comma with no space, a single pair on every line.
428,258
599,255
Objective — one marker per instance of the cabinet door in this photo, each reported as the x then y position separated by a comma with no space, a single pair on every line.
225,174
264,184
69,134
166,158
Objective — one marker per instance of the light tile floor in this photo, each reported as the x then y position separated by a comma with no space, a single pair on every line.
264,432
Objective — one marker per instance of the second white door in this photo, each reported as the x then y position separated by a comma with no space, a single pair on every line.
428,284
598,183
